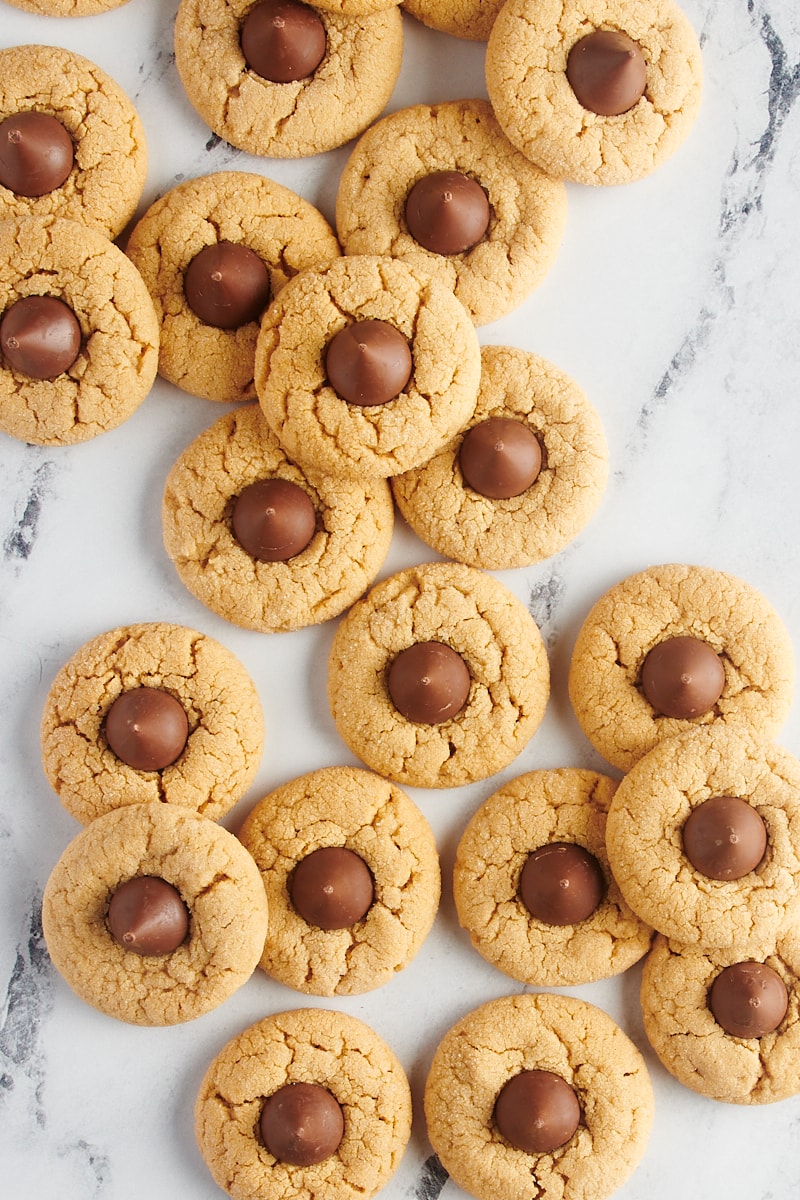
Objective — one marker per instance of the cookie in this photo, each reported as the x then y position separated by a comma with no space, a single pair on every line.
718,875
83,129
323,103
314,1050
537,464
202,352
201,705
532,884
492,242
687,991
67,8
352,876
462,656
600,1101
470,19
753,661
638,75
154,968
411,363
78,334
333,561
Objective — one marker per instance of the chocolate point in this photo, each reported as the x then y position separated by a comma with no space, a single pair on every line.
147,728
283,40
607,72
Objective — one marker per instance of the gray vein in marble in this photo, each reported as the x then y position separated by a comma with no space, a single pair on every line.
18,543
28,1000
543,603
432,1179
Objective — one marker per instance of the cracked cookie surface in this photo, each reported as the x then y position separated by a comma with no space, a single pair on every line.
283,229
570,1038
485,623
333,1050
218,882
67,8
470,19
534,810
345,806
226,727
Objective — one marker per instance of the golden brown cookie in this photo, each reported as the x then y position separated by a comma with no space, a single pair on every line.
319,428
681,987
649,609
471,19
664,866
535,820
526,210
309,1046
218,884
67,8
349,540
107,176
285,231
512,530
348,90
224,731
501,661
527,58
343,808
592,1058
112,332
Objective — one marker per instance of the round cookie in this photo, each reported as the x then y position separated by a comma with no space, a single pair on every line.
225,723
348,90
354,520
646,830
461,523
116,332
351,808
679,1022
284,230
526,78
110,151
218,883
664,602
541,1032
67,8
527,210
329,434
470,19
532,811
312,1046
482,622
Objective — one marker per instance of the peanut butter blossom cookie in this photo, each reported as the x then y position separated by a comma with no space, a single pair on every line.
703,838
67,8
441,187
71,142
594,91
282,78
673,647
438,676
533,887
352,877
151,712
366,367
523,476
308,1103
263,543
471,19
538,1095
78,333
154,915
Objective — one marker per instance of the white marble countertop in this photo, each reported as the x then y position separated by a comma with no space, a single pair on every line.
674,302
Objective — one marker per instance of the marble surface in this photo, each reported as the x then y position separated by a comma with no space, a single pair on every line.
674,303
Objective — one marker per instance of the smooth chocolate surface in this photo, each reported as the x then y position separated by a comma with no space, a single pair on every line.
500,457
724,837
447,212
147,728
274,519
302,1124
429,682
227,285
368,363
561,883
607,72
283,40
683,677
147,915
332,888
36,153
537,1111
40,337
748,999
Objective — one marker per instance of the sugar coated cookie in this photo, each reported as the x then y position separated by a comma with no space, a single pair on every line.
78,333
154,915
533,887
366,367
471,19
197,712
256,234
441,187
326,1067
703,837
67,8
538,1095
594,91
318,102
438,676
352,877
642,667
523,476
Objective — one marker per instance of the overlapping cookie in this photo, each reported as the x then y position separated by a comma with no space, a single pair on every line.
470,19
67,8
